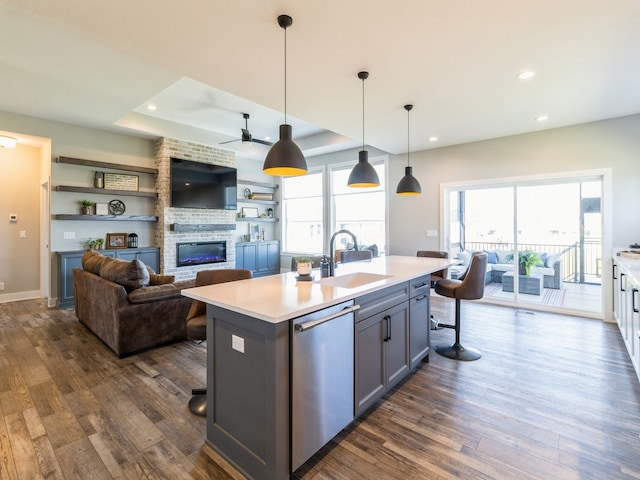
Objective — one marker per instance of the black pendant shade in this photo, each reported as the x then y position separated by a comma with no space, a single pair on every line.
408,185
363,174
285,158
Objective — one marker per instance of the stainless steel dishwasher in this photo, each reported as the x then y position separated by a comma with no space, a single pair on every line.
322,378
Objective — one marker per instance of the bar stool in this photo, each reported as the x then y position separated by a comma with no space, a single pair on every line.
469,287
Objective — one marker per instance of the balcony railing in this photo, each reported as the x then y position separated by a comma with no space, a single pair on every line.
578,263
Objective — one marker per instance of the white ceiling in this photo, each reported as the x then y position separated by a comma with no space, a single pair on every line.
205,62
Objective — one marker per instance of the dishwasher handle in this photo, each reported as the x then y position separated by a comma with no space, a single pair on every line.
301,327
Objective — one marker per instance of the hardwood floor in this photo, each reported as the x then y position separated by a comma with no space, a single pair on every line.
553,397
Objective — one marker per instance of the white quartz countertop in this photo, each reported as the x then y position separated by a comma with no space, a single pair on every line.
277,298
631,265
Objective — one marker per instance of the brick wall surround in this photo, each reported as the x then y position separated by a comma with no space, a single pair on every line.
167,239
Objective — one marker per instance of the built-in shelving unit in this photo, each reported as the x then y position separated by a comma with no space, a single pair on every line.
250,201
106,191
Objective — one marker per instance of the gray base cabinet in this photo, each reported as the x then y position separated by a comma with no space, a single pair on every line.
67,261
419,320
381,344
262,258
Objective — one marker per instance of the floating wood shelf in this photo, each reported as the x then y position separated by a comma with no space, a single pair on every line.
263,202
257,184
104,191
115,166
257,219
125,218
201,227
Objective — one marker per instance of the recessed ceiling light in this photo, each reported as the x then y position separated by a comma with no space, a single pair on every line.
542,118
526,75
151,107
8,142
433,139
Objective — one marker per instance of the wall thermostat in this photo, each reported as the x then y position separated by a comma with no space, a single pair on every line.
13,217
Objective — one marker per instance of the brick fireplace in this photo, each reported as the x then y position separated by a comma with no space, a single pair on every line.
165,238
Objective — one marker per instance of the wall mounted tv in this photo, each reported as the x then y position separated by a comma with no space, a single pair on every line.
202,185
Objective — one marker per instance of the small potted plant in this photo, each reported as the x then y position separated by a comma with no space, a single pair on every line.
304,265
526,260
97,243
85,207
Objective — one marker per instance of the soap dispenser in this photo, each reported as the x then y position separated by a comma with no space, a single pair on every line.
324,267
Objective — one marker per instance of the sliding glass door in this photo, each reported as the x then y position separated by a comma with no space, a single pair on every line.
544,240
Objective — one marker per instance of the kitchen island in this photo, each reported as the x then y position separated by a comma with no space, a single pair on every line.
290,363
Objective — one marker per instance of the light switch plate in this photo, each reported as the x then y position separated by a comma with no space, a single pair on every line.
237,343
432,233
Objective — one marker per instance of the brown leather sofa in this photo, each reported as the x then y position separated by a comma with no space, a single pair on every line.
127,305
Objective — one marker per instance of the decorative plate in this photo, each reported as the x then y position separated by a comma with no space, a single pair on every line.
116,207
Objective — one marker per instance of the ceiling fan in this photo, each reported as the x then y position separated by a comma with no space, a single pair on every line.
246,135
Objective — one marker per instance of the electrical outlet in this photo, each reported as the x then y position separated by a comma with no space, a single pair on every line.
237,343
1,285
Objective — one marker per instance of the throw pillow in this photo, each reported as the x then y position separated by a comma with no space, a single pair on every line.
464,257
91,261
552,258
492,257
543,260
502,254
130,275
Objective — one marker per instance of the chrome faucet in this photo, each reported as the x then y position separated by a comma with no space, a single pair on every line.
332,263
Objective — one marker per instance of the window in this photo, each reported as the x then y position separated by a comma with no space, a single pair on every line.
359,210
302,205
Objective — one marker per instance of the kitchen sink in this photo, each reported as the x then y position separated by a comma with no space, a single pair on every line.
353,280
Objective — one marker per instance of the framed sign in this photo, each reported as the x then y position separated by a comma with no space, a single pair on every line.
116,240
121,181
249,212
102,209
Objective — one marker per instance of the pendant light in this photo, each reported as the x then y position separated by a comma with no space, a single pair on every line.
408,185
363,174
285,158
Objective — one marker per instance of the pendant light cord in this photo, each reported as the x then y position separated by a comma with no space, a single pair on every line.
408,113
363,113
285,74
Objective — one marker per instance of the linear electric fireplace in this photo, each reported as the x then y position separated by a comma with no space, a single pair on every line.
200,253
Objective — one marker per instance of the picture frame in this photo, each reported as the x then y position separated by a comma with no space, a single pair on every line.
102,209
116,240
254,232
249,212
121,181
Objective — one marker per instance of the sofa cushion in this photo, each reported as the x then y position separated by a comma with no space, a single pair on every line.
130,275
154,293
156,279
91,261
464,257
502,254
492,256
552,258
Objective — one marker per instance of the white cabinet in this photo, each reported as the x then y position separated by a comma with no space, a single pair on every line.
626,307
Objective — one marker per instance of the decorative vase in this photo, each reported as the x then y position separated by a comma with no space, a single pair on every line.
522,270
85,210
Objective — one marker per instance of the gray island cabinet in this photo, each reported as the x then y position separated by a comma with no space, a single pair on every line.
268,390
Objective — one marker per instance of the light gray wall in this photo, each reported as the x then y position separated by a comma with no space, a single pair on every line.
78,142
20,195
613,144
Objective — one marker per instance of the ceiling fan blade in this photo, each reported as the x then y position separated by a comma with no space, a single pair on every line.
263,142
230,141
